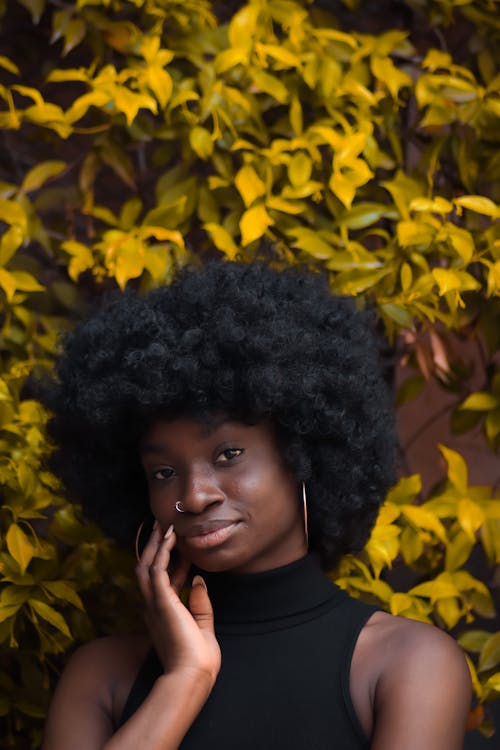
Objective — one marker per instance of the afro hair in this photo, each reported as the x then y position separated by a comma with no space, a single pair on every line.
246,341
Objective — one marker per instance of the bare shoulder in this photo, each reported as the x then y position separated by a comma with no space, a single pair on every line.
92,691
412,651
406,640
420,686
106,668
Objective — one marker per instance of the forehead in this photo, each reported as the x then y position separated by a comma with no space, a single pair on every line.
190,431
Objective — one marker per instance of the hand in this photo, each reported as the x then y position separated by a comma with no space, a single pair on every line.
184,638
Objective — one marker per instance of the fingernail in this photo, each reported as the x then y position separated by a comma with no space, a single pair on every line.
169,531
198,581
155,525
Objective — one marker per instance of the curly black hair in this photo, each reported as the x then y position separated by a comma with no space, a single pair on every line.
243,340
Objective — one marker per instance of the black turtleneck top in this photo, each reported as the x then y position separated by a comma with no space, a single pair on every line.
287,637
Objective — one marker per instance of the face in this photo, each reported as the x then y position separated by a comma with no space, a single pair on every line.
241,504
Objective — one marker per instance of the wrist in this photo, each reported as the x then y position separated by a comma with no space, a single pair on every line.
190,681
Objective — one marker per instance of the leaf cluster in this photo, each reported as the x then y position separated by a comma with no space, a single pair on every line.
161,132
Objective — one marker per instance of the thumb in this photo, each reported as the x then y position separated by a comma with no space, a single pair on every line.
200,606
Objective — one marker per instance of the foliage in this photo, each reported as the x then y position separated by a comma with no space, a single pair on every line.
305,132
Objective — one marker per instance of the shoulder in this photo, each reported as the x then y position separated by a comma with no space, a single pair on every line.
106,668
420,671
92,691
409,643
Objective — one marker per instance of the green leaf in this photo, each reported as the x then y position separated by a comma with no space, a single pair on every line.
51,615
19,546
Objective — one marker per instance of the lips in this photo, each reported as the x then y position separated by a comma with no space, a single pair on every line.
210,533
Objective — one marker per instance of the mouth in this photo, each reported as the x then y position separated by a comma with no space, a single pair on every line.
210,534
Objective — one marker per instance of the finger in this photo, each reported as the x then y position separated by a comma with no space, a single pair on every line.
200,605
151,548
158,575
179,574
145,560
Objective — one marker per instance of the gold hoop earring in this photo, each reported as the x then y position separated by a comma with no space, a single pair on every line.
304,503
137,537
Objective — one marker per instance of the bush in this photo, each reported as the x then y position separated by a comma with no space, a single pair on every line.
358,141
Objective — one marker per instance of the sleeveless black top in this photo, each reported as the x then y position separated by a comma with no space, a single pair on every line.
287,637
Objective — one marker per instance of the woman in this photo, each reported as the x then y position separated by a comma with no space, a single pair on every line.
245,408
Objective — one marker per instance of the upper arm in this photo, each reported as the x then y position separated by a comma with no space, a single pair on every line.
80,715
423,695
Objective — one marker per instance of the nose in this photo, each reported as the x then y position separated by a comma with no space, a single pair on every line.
200,490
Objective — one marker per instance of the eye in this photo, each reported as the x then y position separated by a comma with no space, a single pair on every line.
228,454
162,474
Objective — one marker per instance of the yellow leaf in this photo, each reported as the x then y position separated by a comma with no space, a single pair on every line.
457,468
35,7
222,239
449,611
7,64
12,213
73,34
423,518
201,142
37,176
160,83
129,261
81,260
458,550
50,615
270,85
479,204
311,242
299,169
243,25
440,588
130,103
384,69
414,233
276,203
436,205
8,284
449,280
296,117
254,223
25,282
62,590
470,517
412,545
19,546
480,401
230,58
490,653
249,185
10,242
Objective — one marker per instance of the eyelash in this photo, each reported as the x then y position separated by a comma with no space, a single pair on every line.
159,475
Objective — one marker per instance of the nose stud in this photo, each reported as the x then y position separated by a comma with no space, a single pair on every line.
178,507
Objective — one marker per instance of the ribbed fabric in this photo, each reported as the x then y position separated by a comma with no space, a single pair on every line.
287,637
